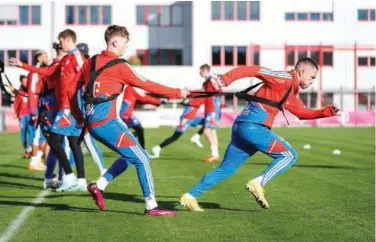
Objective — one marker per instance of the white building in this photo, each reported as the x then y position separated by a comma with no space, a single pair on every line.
174,38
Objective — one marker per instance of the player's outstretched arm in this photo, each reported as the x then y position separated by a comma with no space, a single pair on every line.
229,77
296,107
45,71
132,78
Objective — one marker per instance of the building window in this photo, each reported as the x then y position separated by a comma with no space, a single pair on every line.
255,10
289,16
366,14
35,15
140,14
241,10
242,55
166,57
88,15
159,15
235,10
82,15
367,61
107,15
216,55
295,53
314,16
256,57
216,10
327,16
165,16
25,56
362,14
229,10
24,15
20,15
94,15
303,16
235,55
229,55
177,15
2,56
328,58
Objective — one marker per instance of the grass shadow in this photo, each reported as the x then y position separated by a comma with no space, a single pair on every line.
9,175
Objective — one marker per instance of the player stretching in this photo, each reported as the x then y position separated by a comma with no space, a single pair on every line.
212,115
65,124
35,88
251,129
131,96
22,112
104,77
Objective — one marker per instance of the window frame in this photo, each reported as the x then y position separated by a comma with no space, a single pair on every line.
29,19
18,55
321,17
159,7
88,15
309,49
235,12
368,58
249,55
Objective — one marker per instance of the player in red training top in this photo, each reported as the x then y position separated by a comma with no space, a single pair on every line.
212,114
64,123
21,109
131,96
251,130
35,89
104,77
188,118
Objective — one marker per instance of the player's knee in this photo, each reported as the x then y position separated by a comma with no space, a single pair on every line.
293,155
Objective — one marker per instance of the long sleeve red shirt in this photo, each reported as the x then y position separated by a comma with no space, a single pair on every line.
111,81
276,84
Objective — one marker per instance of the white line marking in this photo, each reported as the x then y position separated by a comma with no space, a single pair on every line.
17,223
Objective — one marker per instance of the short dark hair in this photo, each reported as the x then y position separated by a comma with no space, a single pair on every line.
205,67
37,54
307,60
115,30
22,77
68,33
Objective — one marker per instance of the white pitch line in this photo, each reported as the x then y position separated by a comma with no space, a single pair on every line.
17,223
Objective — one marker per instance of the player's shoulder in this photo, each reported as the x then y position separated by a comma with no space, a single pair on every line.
277,74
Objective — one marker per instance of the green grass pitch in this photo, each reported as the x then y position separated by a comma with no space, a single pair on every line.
323,197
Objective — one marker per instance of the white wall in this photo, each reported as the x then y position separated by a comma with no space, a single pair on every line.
199,33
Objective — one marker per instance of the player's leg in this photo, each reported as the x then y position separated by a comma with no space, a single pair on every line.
157,149
36,158
195,139
65,125
271,144
30,134
236,154
124,143
140,134
210,134
79,161
95,152
23,128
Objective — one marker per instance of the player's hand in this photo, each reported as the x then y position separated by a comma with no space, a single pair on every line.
33,119
15,62
80,123
335,109
184,93
217,81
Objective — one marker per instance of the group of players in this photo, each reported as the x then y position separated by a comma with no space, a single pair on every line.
92,99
